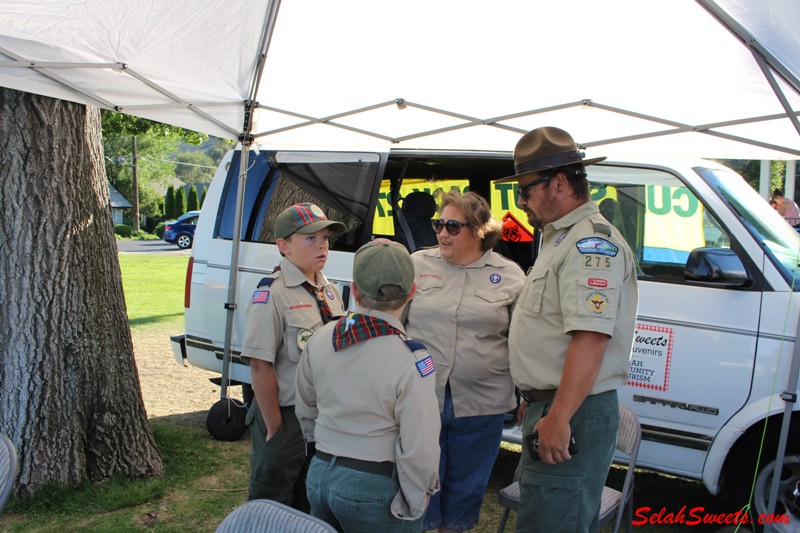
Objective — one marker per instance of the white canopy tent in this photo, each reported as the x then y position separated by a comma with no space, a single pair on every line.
632,77
716,79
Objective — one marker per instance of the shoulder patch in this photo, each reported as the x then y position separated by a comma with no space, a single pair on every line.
596,245
425,366
265,282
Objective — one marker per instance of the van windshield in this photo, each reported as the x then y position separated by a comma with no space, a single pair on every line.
781,241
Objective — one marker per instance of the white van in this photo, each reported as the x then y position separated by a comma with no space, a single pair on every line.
718,308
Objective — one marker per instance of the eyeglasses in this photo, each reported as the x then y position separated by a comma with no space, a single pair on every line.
523,190
453,226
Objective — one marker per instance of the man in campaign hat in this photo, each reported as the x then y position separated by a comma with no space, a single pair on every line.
570,337
286,308
366,393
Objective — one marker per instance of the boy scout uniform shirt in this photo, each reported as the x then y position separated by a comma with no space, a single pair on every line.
371,401
281,318
583,280
462,314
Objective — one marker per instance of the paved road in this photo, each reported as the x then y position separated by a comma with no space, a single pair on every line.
150,247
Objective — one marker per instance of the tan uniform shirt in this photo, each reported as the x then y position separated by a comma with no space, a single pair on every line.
583,280
280,323
462,314
369,401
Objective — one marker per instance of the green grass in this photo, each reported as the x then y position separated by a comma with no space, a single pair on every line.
153,286
205,479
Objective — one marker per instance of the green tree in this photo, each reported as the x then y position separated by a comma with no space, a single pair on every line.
155,145
194,167
191,201
203,198
169,203
180,202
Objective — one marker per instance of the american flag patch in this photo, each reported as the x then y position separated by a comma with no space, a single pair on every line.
425,366
260,297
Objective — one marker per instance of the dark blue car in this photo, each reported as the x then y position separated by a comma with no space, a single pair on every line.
181,231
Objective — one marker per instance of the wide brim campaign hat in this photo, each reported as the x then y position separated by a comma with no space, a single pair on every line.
380,263
546,148
304,218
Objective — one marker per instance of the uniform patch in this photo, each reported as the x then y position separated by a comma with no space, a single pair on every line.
302,337
596,245
260,297
495,278
425,366
329,294
598,282
596,303
561,238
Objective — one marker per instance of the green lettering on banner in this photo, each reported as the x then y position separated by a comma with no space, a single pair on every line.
598,192
381,199
504,189
666,204
691,201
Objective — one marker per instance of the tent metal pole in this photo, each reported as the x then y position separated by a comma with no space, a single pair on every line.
789,396
230,302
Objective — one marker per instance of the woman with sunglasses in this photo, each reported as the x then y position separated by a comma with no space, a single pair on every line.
461,311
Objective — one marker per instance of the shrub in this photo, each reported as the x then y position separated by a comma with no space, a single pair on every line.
159,231
123,230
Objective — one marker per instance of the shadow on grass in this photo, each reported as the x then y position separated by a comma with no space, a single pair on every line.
155,319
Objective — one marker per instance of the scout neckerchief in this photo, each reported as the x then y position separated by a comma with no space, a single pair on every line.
356,327
322,303
319,297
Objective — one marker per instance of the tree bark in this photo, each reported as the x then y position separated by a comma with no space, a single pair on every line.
69,392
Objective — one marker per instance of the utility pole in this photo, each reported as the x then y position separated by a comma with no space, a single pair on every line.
135,188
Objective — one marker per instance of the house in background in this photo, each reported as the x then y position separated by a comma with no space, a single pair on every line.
118,204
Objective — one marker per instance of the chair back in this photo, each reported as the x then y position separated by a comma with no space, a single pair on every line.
8,469
629,437
259,516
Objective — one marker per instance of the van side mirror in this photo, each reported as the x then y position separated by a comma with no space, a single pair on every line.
716,266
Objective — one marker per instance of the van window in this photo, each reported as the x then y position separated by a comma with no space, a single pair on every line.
342,184
661,219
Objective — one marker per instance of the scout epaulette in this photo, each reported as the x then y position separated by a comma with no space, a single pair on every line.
425,366
265,282
600,227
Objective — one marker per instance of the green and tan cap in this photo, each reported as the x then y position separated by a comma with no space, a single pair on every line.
304,218
380,263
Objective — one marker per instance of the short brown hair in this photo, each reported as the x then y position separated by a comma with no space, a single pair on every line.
478,216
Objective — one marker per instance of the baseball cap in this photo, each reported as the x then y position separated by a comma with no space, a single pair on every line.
304,218
379,263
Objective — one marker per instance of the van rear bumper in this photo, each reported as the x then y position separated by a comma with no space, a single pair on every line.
178,344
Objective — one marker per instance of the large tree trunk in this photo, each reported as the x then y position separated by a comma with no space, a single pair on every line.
69,392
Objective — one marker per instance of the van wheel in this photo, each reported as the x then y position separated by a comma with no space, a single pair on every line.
786,503
740,483
184,241
226,420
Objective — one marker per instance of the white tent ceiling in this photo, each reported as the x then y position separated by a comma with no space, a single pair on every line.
623,76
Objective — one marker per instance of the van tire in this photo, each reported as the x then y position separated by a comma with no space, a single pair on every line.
184,240
740,477
790,479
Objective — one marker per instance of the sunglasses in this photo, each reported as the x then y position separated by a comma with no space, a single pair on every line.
523,190
453,226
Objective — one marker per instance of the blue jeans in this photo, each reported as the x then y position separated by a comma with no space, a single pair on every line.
566,497
355,501
469,446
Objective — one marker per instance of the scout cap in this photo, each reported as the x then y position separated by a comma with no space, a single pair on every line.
304,218
379,263
545,148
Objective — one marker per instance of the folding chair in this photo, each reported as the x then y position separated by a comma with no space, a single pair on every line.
614,503
8,469
260,516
